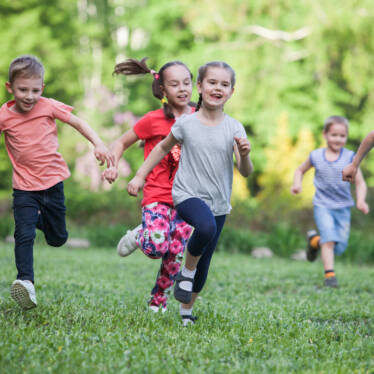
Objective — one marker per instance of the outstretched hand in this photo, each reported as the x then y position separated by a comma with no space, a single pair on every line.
349,173
110,174
103,155
244,146
135,185
295,189
363,207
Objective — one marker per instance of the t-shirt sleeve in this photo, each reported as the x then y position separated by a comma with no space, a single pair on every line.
239,131
60,110
311,158
143,128
177,130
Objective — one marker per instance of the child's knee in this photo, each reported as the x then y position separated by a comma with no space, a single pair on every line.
57,241
340,248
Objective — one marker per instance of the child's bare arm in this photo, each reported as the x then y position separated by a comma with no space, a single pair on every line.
361,190
101,151
157,154
118,147
366,145
350,171
242,148
298,176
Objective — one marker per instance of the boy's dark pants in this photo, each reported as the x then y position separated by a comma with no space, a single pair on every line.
44,210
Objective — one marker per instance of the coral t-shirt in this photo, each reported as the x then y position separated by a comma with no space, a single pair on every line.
32,144
152,128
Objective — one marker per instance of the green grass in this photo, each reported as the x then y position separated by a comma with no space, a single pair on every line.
255,316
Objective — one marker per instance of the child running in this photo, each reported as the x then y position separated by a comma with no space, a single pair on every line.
203,182
28,124
332,200
162,234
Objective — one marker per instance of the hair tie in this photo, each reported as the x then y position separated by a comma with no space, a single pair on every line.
163,100
154,73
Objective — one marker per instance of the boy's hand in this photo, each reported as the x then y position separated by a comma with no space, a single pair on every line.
363,206
244,147
110,174
295,189
102,154
349,173
135,185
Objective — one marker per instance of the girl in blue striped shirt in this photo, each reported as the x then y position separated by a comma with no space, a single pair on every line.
332,200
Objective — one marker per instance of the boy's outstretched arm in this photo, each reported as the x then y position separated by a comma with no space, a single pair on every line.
117,148
361,190
298,176
157,154
101,151
350,171
242,148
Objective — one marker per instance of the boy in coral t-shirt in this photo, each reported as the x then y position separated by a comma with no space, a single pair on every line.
28,124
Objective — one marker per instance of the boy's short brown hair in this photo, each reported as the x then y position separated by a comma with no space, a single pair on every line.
333,120
26,66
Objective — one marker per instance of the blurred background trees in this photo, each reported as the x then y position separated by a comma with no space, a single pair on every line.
297,62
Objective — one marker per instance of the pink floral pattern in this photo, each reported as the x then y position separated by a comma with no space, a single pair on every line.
163,235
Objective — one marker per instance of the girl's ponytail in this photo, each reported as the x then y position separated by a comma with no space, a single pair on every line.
198,105
132,66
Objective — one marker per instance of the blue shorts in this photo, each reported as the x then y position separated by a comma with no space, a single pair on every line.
333,226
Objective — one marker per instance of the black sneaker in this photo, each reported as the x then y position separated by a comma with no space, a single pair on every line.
311,252
331,282
180,294
188,320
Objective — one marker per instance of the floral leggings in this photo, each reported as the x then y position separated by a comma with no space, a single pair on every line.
163,235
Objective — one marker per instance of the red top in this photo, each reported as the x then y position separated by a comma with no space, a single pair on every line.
152,128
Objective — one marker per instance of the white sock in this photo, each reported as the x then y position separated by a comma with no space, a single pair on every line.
188,273
184,311
187,285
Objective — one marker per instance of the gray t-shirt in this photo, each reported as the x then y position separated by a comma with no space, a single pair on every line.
206,163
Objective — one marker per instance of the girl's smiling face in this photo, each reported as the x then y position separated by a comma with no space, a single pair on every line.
177,86
336,136
216,87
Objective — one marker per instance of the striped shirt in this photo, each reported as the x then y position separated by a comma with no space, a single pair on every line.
331,191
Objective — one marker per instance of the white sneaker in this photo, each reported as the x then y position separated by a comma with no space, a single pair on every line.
127,244
23,293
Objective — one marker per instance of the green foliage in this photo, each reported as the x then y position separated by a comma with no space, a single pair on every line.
6,226
255,316
309,59
284,239
106,236
360,248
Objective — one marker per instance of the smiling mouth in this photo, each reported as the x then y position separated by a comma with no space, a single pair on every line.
182,97
216,96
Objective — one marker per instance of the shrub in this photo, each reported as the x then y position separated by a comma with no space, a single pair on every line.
6,226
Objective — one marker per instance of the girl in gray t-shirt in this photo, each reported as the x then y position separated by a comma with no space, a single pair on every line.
202,186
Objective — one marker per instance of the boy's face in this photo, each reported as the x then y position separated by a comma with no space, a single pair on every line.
26,92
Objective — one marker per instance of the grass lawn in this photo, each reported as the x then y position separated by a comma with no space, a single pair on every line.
255,316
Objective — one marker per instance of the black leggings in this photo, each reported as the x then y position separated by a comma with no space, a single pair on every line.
207,229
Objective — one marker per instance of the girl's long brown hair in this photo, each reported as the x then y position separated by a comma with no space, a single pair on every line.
132,66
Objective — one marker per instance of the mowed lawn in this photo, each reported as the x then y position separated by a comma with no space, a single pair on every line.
255,316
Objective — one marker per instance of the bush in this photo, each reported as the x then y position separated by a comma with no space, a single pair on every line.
360,248
284,239
6,226
106,236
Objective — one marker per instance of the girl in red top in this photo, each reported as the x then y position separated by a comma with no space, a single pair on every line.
162,234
